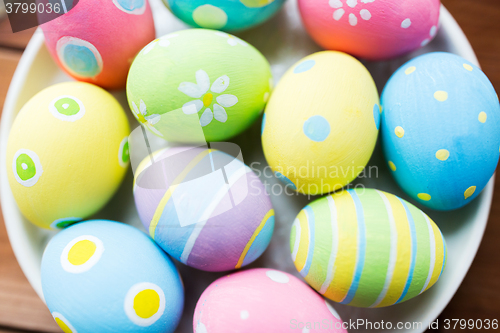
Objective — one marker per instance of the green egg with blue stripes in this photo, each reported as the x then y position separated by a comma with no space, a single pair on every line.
367,248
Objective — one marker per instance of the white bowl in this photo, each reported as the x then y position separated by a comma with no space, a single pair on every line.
283,41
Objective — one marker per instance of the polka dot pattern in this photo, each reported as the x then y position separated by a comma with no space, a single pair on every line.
399,131
424,196
79,57
285,180
144,303
64,222
63,323
317,128
210,17
406,23
442,154
441,95
482,117
277,276
244,314
451,116
392,165
468,67
135,7
81,254
26,167
469,192
124,153
304,66
410,70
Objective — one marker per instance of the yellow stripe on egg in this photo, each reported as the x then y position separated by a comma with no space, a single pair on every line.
254,236
438,264
403,258
168,194
345,262
301,258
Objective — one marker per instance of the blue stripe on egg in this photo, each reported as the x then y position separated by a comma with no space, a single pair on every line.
260,243
444,253
360,260
413,233
316,128
304,66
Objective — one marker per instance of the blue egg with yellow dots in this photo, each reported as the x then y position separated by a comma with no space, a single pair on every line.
441,129
228,15
104,276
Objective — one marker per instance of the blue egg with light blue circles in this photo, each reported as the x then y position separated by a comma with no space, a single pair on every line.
104,276
227,15
304,66
317,128
441,130
285,180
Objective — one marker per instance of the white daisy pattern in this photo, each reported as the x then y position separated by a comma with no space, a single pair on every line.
232,40
148,121
162,41
340,10
205,98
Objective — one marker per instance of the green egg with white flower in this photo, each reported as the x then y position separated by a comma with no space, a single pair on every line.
198,85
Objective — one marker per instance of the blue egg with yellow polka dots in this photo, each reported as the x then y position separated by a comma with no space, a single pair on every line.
441,129
104,276
228,15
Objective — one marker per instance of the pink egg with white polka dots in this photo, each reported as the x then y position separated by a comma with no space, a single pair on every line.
371,29
263,300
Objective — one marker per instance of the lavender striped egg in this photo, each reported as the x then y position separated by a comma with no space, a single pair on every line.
204,207
367,248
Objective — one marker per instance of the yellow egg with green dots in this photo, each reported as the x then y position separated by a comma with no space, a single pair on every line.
67,153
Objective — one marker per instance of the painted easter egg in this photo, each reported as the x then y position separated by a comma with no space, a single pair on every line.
229,15
104,276
263,300
441,130
370,29
203,207
208,95
97,40
367,248
321,124
67,153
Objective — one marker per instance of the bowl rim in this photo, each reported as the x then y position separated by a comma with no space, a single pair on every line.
20,242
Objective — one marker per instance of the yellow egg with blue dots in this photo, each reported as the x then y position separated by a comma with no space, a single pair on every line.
67,153
321,123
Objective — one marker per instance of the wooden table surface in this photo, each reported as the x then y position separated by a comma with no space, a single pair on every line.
477,298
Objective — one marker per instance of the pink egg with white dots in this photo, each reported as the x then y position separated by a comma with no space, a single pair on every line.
371,29
264,300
